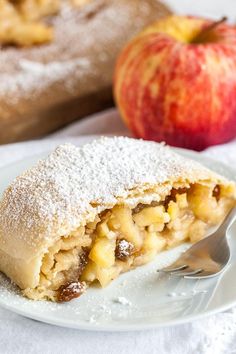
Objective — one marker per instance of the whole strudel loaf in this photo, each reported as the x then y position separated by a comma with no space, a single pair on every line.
45,87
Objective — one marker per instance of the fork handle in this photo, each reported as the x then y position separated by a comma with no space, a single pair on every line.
228,221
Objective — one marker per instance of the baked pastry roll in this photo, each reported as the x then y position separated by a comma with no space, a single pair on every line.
89,213
46,87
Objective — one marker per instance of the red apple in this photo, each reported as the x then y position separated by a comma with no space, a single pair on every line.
176,82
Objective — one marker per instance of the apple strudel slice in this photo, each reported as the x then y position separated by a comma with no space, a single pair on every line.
89,213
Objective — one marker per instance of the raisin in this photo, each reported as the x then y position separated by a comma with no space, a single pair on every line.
138,208
172,196
141,206
83,259
216,192
105,214
70,290
123,250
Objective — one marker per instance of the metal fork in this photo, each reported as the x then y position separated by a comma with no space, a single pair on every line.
208,257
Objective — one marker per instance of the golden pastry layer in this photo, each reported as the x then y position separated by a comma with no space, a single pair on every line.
88,214
20,20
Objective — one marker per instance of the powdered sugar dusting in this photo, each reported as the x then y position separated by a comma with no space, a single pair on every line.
82,44
73,184
76,287
122,301
123,249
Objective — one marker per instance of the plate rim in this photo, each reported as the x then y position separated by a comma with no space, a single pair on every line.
118,327
121,327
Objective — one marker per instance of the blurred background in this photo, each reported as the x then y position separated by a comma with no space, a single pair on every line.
58,58
206,8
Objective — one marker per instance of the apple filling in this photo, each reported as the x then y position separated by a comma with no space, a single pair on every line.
122,238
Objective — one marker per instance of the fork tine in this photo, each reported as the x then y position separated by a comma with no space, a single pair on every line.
172,269
189,273
203,274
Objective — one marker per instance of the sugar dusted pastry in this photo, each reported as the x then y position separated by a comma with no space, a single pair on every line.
90,213
70,74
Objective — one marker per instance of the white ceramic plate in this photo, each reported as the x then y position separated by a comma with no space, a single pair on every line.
140,299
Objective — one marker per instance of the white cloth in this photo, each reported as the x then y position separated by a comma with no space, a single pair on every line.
213,335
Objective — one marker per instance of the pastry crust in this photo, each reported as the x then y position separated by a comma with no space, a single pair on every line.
55,206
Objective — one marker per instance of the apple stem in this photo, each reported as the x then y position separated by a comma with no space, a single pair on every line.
203,35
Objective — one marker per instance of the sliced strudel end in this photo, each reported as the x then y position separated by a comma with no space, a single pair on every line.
90,213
